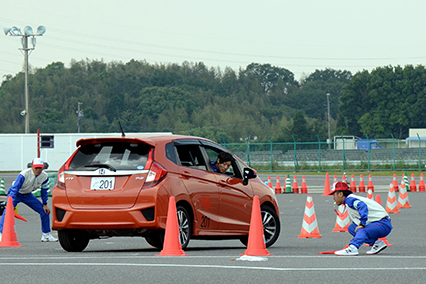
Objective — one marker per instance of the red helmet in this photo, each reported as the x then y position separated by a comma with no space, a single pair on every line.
339,186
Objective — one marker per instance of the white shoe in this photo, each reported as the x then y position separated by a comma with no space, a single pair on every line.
349,251
378,246
48,238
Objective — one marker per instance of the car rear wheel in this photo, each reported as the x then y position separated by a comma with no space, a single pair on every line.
73,240
156,238
271,226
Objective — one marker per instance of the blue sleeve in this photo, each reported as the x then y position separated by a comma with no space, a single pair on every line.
44,189
360,206
16,186
214,167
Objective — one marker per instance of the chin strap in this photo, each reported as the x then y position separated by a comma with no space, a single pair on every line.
337,212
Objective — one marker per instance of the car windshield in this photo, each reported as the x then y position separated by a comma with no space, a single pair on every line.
112,155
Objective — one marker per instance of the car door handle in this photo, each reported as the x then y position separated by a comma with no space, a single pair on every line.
186,174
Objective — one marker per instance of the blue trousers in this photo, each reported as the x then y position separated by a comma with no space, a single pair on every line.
34,203
370,233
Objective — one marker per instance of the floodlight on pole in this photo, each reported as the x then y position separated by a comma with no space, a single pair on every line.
28,32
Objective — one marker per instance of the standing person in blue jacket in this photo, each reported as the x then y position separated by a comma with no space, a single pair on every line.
370,220
21,191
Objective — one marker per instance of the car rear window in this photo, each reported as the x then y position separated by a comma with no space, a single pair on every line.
112,155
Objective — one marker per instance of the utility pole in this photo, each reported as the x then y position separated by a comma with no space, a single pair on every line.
80,114
328,121
28,32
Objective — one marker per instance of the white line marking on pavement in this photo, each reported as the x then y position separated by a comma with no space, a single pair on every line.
215,266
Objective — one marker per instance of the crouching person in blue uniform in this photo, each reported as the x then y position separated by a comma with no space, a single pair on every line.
21,191
370,220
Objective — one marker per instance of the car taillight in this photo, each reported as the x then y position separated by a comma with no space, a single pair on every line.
61,174
155,174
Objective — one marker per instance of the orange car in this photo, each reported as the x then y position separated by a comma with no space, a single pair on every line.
120,186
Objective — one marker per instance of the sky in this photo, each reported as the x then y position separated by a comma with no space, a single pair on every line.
301,36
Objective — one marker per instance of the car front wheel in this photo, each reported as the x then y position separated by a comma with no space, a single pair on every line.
271,226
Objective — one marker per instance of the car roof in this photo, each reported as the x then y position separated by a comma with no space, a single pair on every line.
148,138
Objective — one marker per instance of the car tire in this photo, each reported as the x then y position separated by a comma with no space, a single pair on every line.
156,239
185,226
271,226
73,240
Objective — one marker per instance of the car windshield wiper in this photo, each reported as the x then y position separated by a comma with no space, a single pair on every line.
106,166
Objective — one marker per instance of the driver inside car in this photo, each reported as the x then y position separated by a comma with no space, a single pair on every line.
223,162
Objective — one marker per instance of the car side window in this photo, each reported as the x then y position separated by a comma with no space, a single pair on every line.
190,156
212,154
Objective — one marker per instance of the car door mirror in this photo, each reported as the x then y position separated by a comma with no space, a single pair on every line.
248,174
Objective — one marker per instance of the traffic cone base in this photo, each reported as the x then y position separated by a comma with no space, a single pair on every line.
172,246
256,240
9,238
309,225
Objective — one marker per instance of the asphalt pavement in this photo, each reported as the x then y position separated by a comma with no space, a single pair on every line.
293,259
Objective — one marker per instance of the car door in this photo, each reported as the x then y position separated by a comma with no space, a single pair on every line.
200,184
235,198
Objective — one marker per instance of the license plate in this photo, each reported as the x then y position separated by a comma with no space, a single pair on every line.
102,183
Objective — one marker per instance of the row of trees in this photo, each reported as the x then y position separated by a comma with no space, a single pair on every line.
260,100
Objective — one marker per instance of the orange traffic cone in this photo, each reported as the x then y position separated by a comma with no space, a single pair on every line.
9,238
370,194
304,188
269,182
342,220
361,187
422,183
344,178
403,201
278,186
295,187
378,200
413,186
256,241
335,179
395,183
352,186
391,203
326,185
309,224
172,245
370,183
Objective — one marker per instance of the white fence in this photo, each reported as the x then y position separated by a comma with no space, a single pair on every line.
17,150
